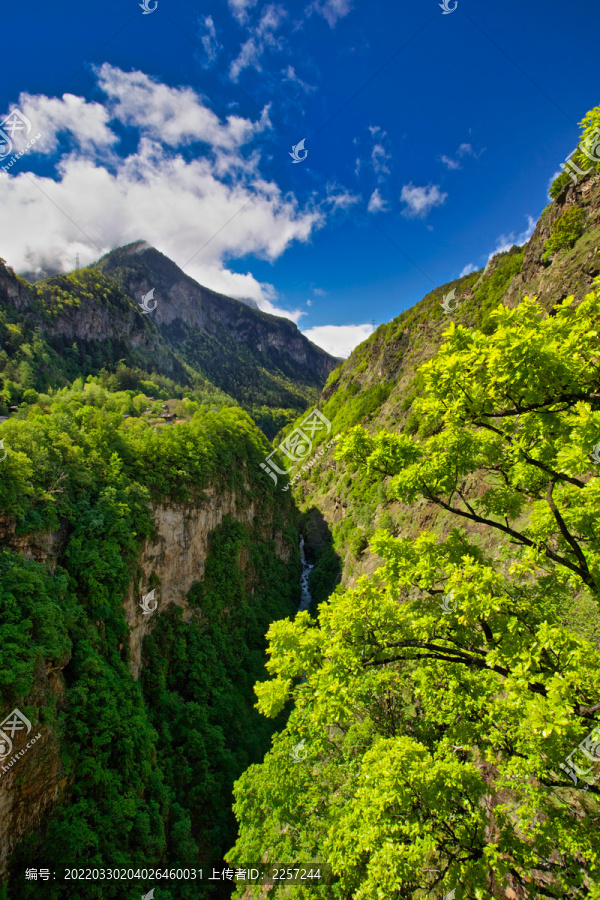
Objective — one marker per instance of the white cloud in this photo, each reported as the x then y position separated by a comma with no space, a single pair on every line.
377,203
340,198
339,340
309,302
450,163
261,37
217,202
506,241
421,200
319,292
240,8
331,10
174,116
248,57
463,150
289,74
270,20
379,155
379,158
467,270
210,44
86,124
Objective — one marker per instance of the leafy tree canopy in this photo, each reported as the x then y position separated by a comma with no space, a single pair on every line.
442,694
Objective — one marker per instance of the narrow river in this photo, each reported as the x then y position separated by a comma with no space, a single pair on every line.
306,570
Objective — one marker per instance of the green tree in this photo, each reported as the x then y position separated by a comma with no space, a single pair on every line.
442,694
565,231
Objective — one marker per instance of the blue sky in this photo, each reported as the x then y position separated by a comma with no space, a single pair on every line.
431,140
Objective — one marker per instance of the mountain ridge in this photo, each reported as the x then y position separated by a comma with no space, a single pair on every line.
90,320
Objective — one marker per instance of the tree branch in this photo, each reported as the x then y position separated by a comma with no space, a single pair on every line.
566,533
520,538
443,654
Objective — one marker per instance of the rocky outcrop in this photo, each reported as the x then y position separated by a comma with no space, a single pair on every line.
571,271
97,322
174,559
181,301
40,546
13,290
32,778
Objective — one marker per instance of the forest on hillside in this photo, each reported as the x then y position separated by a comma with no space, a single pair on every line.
149,763
443,696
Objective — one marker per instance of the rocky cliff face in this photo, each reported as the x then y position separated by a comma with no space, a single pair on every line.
175,559
32,779
571,271
179,299
14,291
378,381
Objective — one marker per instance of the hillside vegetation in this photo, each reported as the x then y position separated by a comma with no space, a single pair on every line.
147,765
441,689
444,688
193,344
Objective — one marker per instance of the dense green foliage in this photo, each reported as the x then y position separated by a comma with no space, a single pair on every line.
442,694
565,231
489,293
198,678
148,765
436,696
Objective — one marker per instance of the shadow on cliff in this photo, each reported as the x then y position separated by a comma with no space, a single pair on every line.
319,549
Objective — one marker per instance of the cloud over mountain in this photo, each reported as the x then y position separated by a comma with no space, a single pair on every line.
190,184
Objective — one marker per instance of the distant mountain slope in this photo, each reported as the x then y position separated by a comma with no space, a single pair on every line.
78,324
377,385
216,333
